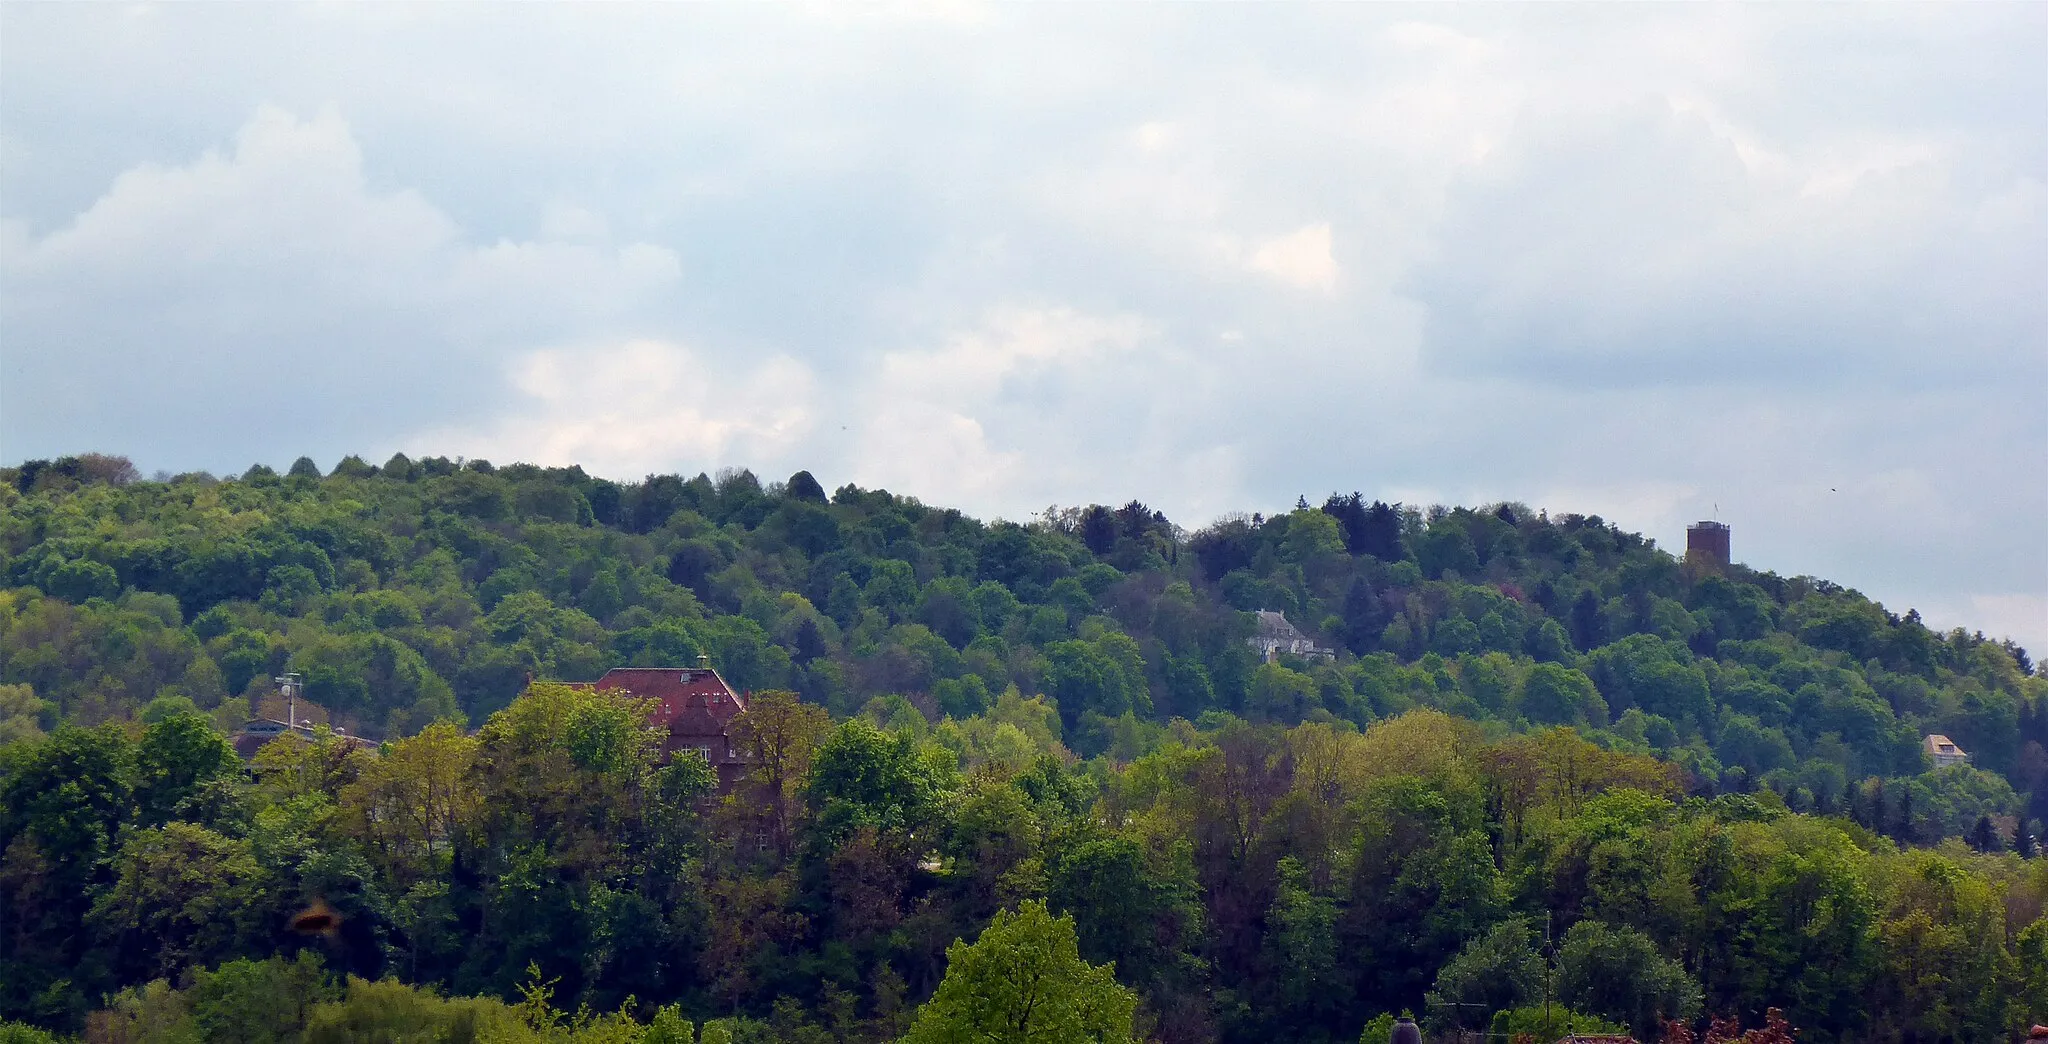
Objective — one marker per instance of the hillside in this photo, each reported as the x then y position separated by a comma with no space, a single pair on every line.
1746,739
419,591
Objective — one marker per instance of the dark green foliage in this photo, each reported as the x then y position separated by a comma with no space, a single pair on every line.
1617,973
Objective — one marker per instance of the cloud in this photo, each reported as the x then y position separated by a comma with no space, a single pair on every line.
2024,616
271,287
638,408
1638,261
1300,259
1650,245
967,416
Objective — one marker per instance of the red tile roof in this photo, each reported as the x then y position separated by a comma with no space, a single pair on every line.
693,703
676,691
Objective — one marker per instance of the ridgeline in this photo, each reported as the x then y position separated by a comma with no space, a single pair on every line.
1490,753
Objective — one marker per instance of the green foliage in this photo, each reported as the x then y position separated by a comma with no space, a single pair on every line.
1023,982
1617,972
1528,716
1557,695
863,777
22,716
1495,972
1378,1030
22,1033
1552,1023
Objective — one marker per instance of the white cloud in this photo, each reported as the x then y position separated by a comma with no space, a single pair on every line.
275,276
1300,259
2023,617
637,408
290,194
929,421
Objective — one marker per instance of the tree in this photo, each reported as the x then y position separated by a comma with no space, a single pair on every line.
801,486
1364,617
1617,972
1099,529
177,756
1588,623
1495,972
1023,982
1095,675
407,805
1553,694
1302,972
1279,694
1142,921
22,715
1984,836
863,777
1381,535
775,737
182,898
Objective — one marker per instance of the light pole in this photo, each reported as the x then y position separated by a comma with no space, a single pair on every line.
289,684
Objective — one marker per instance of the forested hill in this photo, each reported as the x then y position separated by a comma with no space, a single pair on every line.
1740,814
426,590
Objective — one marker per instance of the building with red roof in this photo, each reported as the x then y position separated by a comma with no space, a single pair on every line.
694,703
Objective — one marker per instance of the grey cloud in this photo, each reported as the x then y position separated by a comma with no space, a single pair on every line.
1635,260
1649,249
264,293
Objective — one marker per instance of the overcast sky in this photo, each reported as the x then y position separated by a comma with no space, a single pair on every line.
1784,265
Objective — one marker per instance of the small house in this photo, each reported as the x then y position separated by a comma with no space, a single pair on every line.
1943,751
1276,635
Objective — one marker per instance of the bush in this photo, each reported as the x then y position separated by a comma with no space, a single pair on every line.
1534,1021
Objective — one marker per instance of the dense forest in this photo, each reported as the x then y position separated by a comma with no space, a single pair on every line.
1007,781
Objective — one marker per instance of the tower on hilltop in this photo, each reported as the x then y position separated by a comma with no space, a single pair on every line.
1706,545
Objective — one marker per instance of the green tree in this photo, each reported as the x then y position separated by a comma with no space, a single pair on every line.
1146,922
23,717
863,777
1023,982
1495,972
1280,694
1618,973
1557,695
183,897
177,757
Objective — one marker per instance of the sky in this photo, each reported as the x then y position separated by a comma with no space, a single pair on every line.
1785,266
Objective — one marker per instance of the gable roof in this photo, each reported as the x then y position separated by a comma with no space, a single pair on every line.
1276,625
690,701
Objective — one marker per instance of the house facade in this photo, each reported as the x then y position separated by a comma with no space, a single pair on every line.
694,704
1276,635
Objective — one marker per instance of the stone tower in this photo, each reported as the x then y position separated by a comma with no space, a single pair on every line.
1706,545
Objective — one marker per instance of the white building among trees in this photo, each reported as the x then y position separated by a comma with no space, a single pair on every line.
1275,635
1944,751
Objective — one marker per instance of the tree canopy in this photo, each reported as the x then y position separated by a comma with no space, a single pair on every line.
1540,750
